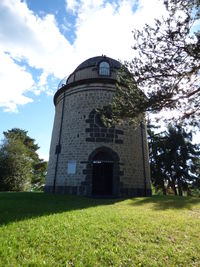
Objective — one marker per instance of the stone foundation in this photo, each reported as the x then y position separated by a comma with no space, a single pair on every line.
75,190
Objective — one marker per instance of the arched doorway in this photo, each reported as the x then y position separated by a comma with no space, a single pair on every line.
102,174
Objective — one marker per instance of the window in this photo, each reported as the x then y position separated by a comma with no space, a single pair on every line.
104,68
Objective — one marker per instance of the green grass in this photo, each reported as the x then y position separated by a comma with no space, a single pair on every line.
39,229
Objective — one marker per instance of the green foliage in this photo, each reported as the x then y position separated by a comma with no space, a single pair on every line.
39,229
173,159
19,134
128,99
20,166
14,166
39,173
165,67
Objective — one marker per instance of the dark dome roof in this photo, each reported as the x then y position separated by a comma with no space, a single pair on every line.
94,61
88,71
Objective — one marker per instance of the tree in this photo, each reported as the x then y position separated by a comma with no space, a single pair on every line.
15,166
157,164
18,139
173,159
196,163
165,68
39,173
19,134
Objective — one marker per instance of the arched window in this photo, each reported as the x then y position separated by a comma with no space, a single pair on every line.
104,68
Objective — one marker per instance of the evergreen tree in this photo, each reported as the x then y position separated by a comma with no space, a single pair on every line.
39,169
165,67
19,134
15,166
156,152
17,139
173,159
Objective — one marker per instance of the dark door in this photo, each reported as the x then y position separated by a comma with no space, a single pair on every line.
102,178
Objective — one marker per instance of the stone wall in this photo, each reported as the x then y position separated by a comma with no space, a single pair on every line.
79,138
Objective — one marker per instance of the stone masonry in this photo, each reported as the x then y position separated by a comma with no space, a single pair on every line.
78,135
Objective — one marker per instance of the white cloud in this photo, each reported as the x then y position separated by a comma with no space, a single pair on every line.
72,5
101,28
27,36
14,82
106,28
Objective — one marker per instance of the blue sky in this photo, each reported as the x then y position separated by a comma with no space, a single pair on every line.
43,41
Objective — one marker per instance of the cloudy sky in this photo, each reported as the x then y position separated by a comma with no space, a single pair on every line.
43,41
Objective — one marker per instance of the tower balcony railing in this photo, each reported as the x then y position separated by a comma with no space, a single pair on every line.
62,83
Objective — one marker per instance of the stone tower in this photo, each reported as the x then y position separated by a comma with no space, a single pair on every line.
86,158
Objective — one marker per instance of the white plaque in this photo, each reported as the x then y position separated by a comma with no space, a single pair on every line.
71,167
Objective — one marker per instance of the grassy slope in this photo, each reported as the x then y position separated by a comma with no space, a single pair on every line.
37,229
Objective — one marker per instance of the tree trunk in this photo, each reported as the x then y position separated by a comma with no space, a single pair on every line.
163,188
180,191
177,176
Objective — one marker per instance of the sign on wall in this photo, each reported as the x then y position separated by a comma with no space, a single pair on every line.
71,167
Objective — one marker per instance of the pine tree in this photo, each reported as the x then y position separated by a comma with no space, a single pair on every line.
164,73
15,166
173,159
25,150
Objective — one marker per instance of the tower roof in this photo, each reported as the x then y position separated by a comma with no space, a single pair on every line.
95,69
94,61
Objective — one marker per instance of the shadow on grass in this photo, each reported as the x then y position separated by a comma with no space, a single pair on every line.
20,206
167,202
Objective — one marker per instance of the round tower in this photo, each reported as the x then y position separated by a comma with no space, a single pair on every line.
86,158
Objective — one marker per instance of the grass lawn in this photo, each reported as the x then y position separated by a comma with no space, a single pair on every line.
39,229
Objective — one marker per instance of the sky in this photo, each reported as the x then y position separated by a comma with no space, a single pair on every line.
43,41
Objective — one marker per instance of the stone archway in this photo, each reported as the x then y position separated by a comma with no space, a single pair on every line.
102,173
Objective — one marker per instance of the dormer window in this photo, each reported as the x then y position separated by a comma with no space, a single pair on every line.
104,68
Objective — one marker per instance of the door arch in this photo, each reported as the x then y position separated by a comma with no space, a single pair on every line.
106,155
